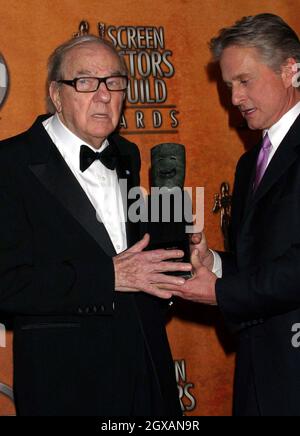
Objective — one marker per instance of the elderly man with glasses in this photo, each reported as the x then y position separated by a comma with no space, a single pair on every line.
89,332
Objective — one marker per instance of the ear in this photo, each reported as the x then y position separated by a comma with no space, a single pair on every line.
54,92
288,71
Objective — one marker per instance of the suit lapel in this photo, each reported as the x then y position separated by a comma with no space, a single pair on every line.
284,157
51,170
248,180
125,173
282,160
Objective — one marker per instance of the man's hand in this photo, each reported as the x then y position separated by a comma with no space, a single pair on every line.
138,270
200,288
198,242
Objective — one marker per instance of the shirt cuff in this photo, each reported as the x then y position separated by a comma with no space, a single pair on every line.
217,266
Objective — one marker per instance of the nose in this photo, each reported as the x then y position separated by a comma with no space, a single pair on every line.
237,95
102,94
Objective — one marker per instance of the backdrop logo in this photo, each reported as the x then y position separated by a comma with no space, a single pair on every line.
150,68
149,109
187,400
3,80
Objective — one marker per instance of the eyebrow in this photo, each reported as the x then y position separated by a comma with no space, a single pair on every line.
84,72
88,72
238,77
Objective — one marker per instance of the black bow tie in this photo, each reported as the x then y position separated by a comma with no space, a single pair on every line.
108,157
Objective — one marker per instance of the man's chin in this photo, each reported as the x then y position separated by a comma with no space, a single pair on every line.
252,125
252,121
102,133
95,139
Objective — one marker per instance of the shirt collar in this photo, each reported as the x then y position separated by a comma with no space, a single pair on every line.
67,142
279,130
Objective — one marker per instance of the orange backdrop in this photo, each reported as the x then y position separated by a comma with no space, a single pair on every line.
214,139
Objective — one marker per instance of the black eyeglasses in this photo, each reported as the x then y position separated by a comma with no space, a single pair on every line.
91,84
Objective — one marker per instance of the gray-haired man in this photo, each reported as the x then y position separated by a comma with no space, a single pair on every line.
259,288
87,341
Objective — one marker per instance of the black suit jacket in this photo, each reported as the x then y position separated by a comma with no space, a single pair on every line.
57,280
260,292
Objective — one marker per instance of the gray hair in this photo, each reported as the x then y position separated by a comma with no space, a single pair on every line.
268,33
56,60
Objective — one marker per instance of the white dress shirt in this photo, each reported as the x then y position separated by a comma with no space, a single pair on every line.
100,184
276,134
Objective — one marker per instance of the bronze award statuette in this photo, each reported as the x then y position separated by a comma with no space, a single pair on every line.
168,204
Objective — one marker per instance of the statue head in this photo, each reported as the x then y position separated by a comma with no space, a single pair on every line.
168,165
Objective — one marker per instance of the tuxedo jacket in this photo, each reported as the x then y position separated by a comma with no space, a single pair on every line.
259,293
57,281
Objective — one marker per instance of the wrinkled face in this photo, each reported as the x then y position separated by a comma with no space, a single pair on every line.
262,95
168,165
95,115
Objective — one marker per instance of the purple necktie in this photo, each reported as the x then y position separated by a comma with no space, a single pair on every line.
262,161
